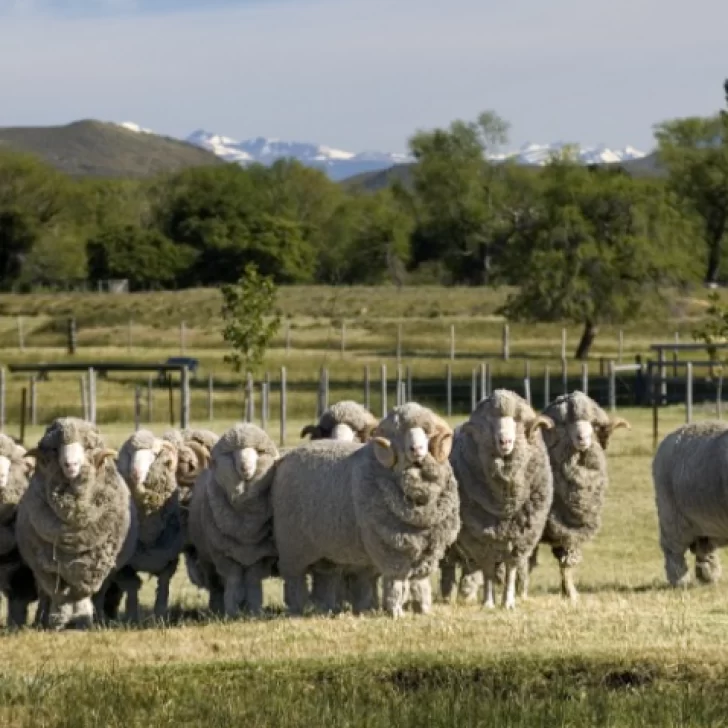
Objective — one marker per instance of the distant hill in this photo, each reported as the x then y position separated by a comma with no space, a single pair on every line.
647,166
98,149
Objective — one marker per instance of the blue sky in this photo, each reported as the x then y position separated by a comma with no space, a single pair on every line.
364,74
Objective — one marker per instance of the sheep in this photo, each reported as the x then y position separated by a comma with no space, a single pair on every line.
690,491
194,448
76,522
389,507
148,464
16,579
506,489
345,421
230,519
576,446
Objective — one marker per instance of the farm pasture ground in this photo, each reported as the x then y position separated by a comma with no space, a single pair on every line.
633,652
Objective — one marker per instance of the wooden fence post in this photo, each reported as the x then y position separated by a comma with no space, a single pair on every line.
527,382
150,399
384,389
249,403
483,382
137,407
23,411
585,377
448,376
71,336
84,397
367,398
452,342
506,343
563,344
264,404
2,399
266,381
474,390
612,387
92,395
343,338
33,401
185,398
546,386
409,384
170,390
399,341
564,375
689,394
288,336
283,407
399,386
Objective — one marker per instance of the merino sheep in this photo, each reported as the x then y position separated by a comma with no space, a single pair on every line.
76,522
148,464
691,492
576,446
16,579
230,518
506,489
194,450
344,421
389,507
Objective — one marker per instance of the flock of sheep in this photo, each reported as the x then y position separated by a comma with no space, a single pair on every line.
365,500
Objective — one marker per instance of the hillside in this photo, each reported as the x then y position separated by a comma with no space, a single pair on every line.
94,148
647,166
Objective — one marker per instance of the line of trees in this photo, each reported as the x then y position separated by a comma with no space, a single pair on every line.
581,243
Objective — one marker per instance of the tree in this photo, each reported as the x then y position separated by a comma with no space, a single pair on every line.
600,246
145,257
714,329
250,318
695,152
457,196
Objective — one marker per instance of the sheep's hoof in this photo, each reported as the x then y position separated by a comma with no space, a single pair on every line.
489,604
396,612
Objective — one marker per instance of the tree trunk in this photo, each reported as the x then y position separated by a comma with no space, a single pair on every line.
711,275
586,341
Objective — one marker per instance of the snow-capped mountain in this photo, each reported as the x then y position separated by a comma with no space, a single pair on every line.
340,164
337,163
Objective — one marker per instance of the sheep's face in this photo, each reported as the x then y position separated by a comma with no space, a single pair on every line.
504,432
4,471
71,458
141,462
581,434
343,433
246,462
406,446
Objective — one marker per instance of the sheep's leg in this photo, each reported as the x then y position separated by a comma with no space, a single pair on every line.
469,585
489,594
393,593
568,590
326,587
522,579
533,559
254,589
295,591
161,601
374,586
132,585
42,612
234,591
447,579
676,567
707,561
362,588
59,615
421,592
216,602
509,593
83,614
17,611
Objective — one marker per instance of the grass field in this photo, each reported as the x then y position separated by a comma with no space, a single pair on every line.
632,652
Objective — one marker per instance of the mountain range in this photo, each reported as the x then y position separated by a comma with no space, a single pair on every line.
340,164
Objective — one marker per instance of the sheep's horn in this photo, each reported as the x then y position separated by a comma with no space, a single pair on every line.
101,455
618,422
539,421
203,459
441,445
384,452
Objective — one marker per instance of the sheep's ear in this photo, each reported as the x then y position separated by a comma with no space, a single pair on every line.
441,445
539,421
29,465
101,455
384,452
35,456
308,430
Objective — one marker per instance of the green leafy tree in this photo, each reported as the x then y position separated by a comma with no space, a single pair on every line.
145,257
457,195
714,328
695,152
250,318
600,247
